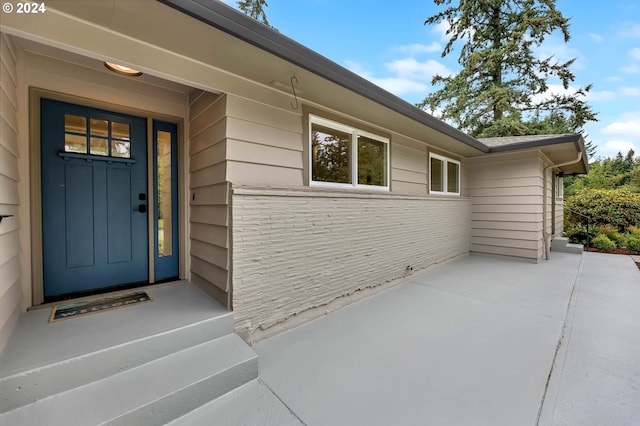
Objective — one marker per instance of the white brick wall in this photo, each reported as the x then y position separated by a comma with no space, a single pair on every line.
297,250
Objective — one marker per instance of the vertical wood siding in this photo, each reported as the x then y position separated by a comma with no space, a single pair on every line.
507,192
209,198
10,272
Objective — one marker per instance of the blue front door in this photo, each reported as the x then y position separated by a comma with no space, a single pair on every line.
94,199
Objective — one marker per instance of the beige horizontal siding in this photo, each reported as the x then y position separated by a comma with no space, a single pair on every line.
408,166
10,269
264,143
241,172
298,252
209,195
507,193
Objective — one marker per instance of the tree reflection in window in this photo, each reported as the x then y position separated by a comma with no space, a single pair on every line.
331,151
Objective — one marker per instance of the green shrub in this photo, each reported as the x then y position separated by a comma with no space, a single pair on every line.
632,243
613,234
619,208
603,243
634,230
577,233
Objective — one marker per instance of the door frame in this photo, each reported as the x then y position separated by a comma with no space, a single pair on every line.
35,185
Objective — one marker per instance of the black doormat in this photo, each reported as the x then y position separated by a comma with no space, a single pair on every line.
93,306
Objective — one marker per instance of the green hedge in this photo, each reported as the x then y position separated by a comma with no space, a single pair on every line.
618,208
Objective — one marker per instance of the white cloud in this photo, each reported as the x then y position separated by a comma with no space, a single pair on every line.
635,53
630,91
631,69
408,75
412,68
607,95
400,86
417,49
596,37
601,95
555,89
621,135
441,28
627,125
611,147
397,85
561,52
630,30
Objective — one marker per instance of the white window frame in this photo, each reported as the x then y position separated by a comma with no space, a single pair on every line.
559,186
355,132
445,174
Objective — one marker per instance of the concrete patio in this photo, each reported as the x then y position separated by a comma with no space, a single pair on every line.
476,341
470,342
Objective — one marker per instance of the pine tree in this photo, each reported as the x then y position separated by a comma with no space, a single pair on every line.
255,9
501,88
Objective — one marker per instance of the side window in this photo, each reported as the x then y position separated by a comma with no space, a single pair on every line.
559,186
444,175
343,156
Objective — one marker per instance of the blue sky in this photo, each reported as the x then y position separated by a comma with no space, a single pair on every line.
388,43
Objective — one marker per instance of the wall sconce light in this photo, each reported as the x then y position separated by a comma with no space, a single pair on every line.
122,70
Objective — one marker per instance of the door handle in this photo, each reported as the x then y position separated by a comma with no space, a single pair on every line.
142,208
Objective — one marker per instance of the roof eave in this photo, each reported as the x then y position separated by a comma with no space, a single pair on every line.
230,21
576,139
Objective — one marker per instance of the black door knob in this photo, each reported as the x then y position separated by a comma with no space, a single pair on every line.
142,208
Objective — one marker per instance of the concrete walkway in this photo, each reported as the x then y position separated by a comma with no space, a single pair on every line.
596,376
469,343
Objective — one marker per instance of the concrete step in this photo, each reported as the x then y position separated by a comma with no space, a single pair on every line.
561,244
252,404
25,383
155,392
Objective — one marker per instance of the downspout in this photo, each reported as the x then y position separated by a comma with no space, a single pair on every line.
546,235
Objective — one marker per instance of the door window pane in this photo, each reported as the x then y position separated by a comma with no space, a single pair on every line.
75,139
99,128
99,146
120,149
119,131
75,124
120,142
75,143
165,232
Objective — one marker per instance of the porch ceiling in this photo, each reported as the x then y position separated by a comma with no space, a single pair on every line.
94,64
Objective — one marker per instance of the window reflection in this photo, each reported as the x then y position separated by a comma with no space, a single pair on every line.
163,196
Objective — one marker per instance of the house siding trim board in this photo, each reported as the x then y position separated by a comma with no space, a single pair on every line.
10,228
301,252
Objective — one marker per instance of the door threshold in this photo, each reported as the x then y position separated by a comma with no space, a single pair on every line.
105,294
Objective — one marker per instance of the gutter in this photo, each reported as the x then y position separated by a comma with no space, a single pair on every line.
218,15
546,235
